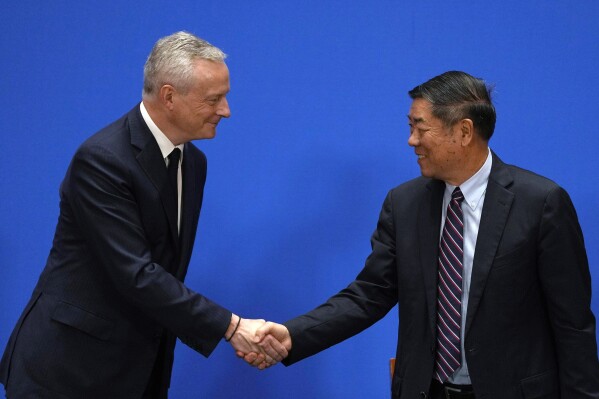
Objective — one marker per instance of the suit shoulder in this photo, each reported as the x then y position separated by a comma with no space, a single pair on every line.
195,151
412,187
526,180
110,136
196,155
410,194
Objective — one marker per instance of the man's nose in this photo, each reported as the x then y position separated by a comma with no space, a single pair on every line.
413,140
223,108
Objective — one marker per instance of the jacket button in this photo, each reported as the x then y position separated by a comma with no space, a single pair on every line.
423,395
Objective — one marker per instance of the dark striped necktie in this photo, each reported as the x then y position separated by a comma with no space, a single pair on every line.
449,290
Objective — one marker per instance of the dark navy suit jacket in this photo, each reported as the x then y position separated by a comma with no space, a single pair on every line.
530,332
112,287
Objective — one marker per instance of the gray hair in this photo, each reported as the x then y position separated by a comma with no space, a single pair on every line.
172,59
456,95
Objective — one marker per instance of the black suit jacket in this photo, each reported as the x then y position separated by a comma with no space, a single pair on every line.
112,288
530,332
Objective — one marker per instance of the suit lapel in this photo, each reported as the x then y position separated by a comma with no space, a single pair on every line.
498,201
428,234
151,161
189,203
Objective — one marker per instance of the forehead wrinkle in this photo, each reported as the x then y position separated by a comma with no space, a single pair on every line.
415,119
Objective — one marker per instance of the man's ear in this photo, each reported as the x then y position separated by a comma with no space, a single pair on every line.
466,127
166,96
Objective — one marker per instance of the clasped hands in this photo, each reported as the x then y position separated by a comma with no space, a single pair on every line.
261,344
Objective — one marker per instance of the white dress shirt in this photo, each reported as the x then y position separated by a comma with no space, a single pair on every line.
166,147
474,190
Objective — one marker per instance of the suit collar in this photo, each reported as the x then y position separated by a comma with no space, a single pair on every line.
500,173
498,200
151,161
194,176
165,145
429,218
139,131
496,208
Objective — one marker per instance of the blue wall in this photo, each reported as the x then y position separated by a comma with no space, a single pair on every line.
317,137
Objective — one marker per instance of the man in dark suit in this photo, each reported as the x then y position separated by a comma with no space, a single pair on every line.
110,303
486,261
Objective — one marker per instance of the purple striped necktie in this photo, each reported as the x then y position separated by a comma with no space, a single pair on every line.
449,290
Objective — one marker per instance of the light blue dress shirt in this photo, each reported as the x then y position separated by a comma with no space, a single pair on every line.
474,190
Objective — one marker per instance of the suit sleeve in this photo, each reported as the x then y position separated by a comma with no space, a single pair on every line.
104,201
365,301
566,281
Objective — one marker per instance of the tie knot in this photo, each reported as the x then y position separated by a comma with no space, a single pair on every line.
457,195
174,156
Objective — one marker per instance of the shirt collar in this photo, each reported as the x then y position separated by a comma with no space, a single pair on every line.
475,187
166,147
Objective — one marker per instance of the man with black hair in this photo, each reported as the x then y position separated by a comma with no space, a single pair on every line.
485,260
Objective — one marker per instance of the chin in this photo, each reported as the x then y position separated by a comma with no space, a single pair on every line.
205,135
210,135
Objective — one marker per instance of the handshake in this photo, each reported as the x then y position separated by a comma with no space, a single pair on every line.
261,344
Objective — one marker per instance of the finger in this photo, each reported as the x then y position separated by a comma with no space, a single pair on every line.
269,360
272,354
259,360
250,358
240,354
263,366
272,347
262,331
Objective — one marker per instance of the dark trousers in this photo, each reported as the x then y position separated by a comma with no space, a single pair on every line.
437,392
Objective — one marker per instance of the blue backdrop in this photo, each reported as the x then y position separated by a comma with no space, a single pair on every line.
317,137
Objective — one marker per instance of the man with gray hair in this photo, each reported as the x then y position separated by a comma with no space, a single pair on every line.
110,303
486,262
